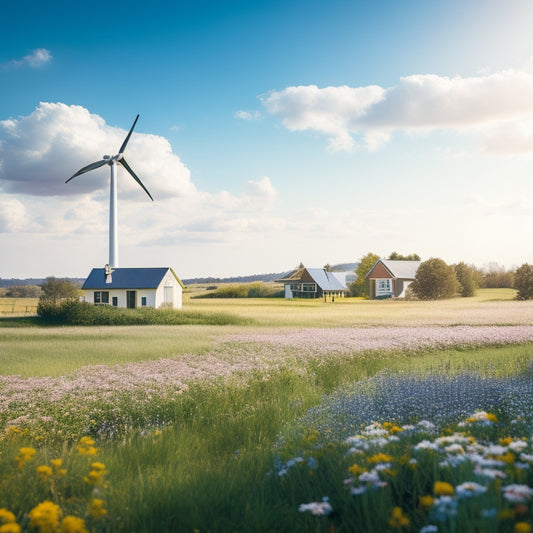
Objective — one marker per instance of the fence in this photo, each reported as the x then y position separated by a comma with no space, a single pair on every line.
18,306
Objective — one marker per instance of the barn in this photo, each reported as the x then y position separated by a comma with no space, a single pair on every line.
313,283
134,287
390,279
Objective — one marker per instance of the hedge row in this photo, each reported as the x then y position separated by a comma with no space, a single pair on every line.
75,313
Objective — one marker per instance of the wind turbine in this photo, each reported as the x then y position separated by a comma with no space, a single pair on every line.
112,161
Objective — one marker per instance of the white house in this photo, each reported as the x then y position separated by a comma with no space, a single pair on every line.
134,287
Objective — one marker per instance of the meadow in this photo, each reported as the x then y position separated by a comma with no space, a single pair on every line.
345,416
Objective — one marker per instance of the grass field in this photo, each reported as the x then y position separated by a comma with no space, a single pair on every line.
243,428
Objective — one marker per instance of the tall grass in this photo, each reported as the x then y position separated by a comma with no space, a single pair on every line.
211,467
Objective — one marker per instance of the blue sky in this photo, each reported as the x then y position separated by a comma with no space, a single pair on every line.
269,133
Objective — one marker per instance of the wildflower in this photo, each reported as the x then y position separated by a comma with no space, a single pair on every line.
429,529
12,527
322,508
86,446
426,501
6,517
441,488
45,517
522,527
379,458
355,469
44,472
443,507
398,519
469,489
25,455
57,464
356,491
517,493
391,428
73,524
96,508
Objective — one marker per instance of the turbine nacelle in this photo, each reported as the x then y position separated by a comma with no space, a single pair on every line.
112,159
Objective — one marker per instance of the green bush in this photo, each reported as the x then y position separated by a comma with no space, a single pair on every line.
435,280
523,282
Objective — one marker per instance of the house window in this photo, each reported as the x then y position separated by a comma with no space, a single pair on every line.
383,286
143,301
115,301
309,287
101,297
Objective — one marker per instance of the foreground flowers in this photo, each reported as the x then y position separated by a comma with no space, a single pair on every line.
425,478
50,485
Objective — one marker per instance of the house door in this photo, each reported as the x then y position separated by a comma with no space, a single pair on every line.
131,297
169,295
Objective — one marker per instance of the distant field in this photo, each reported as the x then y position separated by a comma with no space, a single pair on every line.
18,306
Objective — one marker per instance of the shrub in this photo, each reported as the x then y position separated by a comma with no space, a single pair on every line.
75,313
466,278
523,282
435,280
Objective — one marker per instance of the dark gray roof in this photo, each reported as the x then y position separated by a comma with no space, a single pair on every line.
128,278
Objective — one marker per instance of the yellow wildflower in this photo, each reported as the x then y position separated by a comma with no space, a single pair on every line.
441,488
391,428
506,441
44,472
355,469
522,527
73,524
99,467
86,446
379,458
11,527
426,501
96,508
397,519
57,464
6,517
45,517
25,455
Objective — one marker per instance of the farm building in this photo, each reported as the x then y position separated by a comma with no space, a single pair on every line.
388,279
313,283
134,287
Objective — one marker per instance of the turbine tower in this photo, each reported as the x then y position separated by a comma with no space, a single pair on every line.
112,161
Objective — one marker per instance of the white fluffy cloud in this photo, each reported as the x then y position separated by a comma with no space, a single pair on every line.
40,151
484,106
36,58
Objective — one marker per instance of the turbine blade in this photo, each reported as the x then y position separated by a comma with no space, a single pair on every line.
92,166
123,147
134,176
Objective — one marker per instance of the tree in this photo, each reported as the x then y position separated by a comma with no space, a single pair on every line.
495,276
55,289
395,256
327,267
523,282
466,278
23,291
435,280
360,286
